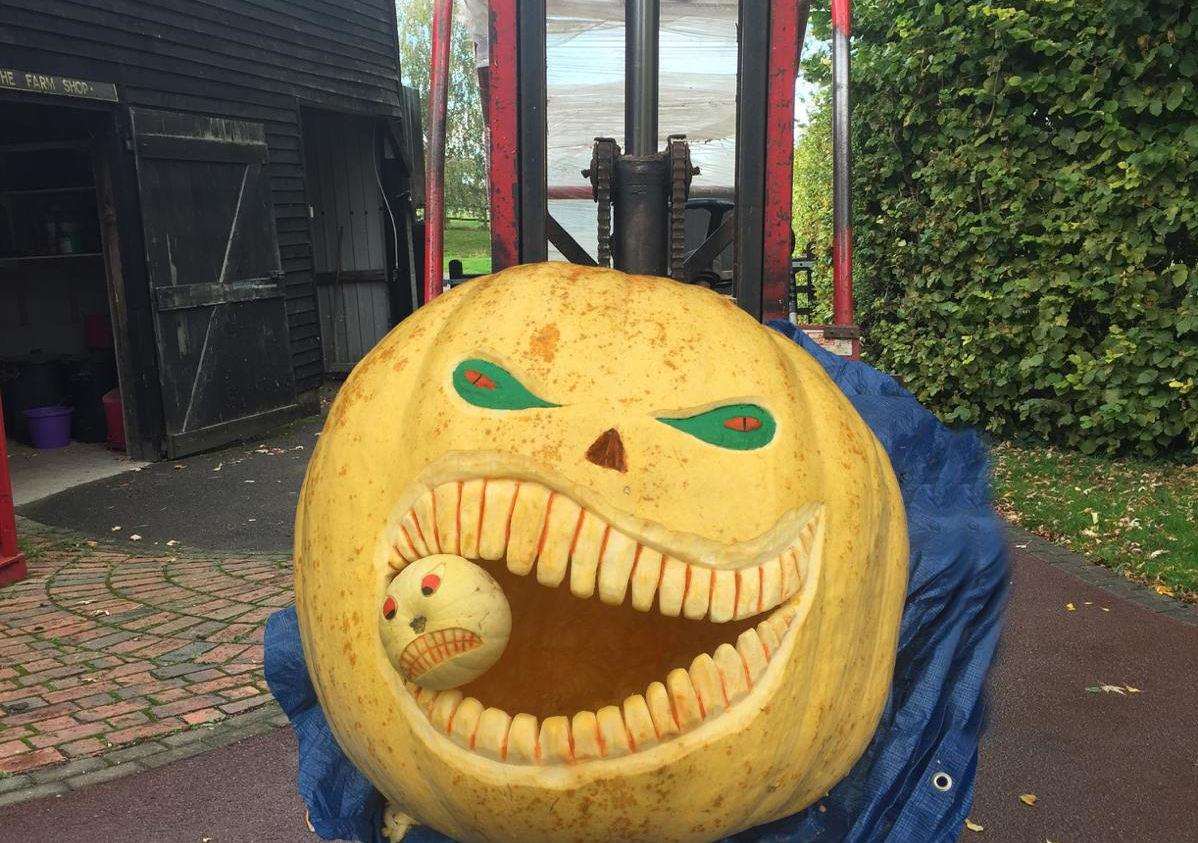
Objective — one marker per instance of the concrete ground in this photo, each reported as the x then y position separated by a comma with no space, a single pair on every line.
238,499
36,474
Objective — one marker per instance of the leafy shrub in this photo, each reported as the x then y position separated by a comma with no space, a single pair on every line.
812,194
1026,189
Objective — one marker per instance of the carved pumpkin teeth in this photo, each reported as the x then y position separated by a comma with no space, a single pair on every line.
556,741
686,700
490,738
465,722
536,530
523,740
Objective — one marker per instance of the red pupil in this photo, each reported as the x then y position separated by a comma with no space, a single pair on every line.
389,608
429,584
743,423
479,379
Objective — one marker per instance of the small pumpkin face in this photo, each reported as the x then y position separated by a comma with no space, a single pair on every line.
701,544
444,621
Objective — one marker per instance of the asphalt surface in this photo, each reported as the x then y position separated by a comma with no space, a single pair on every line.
1103,766
240,498
244,792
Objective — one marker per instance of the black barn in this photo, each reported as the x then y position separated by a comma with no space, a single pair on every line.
207,204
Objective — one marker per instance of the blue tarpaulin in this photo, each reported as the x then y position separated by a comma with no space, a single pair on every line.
915,780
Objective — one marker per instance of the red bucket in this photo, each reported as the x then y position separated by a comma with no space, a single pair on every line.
49,427
114,416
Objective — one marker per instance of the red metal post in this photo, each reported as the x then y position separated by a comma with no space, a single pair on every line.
784,49
503,118
842,209
12,561
434,171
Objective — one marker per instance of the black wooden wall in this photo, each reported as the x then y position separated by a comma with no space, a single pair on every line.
257,60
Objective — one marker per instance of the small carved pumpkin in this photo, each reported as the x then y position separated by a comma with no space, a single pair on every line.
702,545
444,621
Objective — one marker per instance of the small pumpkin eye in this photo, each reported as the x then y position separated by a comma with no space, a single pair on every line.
743,423
389,607
429,584
487,385
478,379
737,427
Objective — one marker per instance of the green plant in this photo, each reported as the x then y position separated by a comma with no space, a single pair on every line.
812,195
1026,213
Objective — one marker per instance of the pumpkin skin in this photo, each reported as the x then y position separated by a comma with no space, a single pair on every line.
444,621
619,368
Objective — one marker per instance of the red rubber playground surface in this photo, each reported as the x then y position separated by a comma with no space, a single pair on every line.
1091,714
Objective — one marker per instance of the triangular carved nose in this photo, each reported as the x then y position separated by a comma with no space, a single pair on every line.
608,451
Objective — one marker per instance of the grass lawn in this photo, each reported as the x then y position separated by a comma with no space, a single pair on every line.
470,243
1139,518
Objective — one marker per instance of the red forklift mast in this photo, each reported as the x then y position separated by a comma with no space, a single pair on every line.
642,191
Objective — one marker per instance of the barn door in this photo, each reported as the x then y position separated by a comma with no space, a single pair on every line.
349,246
212,258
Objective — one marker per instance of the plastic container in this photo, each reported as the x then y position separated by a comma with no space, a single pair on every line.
114,414
49,427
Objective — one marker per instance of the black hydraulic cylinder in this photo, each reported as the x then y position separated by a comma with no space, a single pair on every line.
641,188
642,23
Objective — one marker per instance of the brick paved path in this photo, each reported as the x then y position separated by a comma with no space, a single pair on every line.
102,649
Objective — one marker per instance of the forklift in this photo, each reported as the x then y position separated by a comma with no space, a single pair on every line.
643,192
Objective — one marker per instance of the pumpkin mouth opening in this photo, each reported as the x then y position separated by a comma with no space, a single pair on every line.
666,646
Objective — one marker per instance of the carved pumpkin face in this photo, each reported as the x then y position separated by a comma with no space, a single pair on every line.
702,545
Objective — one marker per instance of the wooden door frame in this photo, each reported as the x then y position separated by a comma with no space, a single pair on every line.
129,288
305,113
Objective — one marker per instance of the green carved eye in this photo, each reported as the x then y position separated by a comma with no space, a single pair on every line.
740,427
484,384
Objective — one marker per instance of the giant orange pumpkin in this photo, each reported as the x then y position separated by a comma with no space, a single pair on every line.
702,546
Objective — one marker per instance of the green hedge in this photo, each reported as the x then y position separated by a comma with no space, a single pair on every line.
1026,186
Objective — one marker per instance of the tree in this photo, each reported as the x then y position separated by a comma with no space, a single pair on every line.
1026,222
465,137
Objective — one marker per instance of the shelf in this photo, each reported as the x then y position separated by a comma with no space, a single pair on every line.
28,258
46,190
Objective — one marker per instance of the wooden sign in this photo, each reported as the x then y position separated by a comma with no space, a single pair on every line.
63,86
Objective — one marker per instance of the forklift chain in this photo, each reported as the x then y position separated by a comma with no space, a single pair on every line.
603,162
681,172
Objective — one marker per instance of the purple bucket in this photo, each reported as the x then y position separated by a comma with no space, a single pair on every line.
49,427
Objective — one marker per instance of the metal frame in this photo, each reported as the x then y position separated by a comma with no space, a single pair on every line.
788,25
12,562
434,174
842,166
769,47
502,102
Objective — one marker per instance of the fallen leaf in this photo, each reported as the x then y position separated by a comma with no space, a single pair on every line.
219,466
1069,607
172,542
178,467
91,543
1105,609
1131,690
1164,590
1027,798
135,538
972,826
116,528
